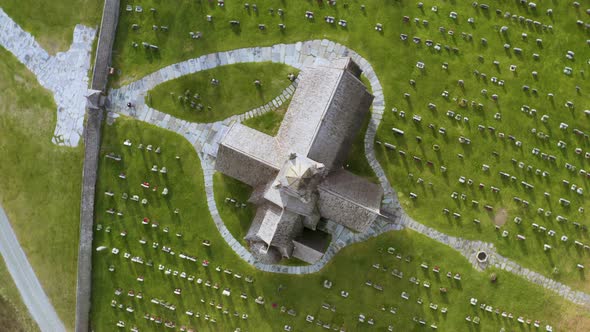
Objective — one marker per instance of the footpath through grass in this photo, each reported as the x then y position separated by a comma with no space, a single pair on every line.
39,184
194,97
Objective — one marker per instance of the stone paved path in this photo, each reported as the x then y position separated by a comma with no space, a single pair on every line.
204,137
25,279
469,249
65,74
299,55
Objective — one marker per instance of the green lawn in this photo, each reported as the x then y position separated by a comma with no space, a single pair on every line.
395,64
236,219
304,294
194,98
26,125
357,161
52,22
487,147
269,122
37,199
39,184
14,315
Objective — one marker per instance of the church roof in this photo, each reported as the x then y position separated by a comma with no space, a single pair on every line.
279,226
354,189
297,172
327,107
254,144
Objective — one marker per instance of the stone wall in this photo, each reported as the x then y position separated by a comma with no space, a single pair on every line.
92,137
106,38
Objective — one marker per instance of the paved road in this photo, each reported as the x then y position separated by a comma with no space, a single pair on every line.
25,279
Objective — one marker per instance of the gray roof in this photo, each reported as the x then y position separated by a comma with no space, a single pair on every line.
257,196
341,122
279,226
345,212
323,118
256,223
243,167
255,144
249,155
310,246
326,110
307,108
353,188
270,223
94,99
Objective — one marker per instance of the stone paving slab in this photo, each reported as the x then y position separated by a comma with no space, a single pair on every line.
65,74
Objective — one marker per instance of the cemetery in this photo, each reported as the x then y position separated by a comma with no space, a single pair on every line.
476,146
482,110
197,282
477,143
473,132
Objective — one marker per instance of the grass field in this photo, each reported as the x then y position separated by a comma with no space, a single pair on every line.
52,22
357,161
37,190
304,294
487,146
236,219
41,183
395,62
235,94
14,315
269,122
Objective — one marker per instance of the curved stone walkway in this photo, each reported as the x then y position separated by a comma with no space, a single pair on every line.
204,137
299,55
469,249
65,74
